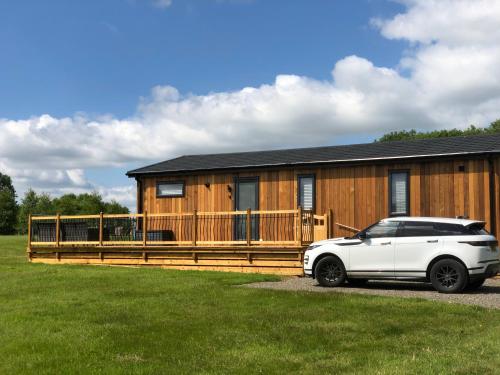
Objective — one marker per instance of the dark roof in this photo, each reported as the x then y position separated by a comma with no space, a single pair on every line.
464,145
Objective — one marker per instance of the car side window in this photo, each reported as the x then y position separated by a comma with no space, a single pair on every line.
446,229
424,229
417,229
382,229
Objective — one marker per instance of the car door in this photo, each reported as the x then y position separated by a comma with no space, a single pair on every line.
416,242
374,255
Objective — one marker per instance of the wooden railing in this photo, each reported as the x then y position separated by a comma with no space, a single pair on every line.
228,228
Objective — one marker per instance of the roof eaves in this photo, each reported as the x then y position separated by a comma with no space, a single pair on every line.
330,161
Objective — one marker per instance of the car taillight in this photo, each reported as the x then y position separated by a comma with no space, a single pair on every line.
480,243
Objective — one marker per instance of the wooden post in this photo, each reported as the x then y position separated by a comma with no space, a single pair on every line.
58,226
299,225
249,227
312,223
144,227
29,233
195,226
101,224
330,224
29,238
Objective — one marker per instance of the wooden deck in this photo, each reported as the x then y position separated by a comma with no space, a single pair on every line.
241,241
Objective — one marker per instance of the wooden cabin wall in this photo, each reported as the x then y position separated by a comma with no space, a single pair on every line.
356,195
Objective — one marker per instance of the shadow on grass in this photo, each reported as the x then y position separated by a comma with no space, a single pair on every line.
417,286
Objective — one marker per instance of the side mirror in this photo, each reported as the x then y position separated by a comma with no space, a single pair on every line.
361,236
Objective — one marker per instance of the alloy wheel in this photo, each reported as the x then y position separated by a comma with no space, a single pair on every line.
331,272
447,276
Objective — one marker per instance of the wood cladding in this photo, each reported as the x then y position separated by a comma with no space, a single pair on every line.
355,195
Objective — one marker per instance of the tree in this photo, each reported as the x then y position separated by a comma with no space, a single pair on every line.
68,204
8,205
86,204
33,204
28,206
114,207
401,135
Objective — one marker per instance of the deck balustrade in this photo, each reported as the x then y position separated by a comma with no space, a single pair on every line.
231,228
243,241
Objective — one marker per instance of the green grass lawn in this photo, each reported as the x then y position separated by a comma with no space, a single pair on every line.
86,319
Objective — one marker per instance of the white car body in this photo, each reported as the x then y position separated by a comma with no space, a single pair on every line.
408,258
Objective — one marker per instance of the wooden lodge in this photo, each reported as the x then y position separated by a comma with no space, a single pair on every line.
257,211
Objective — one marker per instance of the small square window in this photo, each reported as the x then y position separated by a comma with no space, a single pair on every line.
170,189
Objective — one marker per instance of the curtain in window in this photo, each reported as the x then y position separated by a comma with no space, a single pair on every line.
170,189
306,188
399,193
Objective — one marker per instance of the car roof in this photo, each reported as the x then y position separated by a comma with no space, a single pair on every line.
448,220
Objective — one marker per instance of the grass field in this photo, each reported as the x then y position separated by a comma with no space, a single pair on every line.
85,319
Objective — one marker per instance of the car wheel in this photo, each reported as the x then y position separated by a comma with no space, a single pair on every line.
475,284
448,276
357,282
330,272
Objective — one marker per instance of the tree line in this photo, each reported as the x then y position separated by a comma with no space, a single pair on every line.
403,135
14,216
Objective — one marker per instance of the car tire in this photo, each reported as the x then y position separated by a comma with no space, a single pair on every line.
475,284
448,276
330,272
357,282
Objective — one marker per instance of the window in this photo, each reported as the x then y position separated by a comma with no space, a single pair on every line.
170,189
306,192
447,229
477,229
382,229
417,229
399,193
423,228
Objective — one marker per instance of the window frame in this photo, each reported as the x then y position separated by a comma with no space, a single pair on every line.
407,211
237,180
176,182
299,178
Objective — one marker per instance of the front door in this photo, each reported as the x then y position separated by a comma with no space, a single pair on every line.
246,197
374,256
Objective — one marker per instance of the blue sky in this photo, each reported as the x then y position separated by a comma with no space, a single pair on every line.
101,56
89,89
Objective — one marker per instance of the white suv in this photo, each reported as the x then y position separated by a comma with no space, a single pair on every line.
450,253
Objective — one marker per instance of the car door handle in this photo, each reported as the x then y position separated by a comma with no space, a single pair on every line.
432,241
385,243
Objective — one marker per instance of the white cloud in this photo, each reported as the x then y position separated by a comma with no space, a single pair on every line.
162,4
451,22
451,79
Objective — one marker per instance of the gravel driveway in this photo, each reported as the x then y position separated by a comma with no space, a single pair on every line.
487,296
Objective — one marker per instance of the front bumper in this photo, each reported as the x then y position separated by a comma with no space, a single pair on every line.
308,264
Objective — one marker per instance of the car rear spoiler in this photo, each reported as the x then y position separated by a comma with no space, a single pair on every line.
478,223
